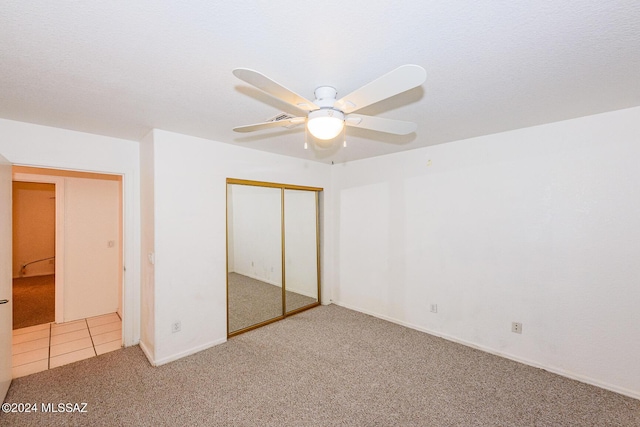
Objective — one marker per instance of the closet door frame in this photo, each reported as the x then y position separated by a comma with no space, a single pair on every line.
282,187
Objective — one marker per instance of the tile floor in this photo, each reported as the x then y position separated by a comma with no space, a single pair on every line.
41,347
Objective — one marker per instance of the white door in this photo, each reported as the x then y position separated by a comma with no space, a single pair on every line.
6,284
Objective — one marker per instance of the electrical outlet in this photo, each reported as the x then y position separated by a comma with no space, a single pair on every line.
516,327
176,327
434,308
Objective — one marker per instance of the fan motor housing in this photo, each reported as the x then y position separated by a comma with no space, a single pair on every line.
325,96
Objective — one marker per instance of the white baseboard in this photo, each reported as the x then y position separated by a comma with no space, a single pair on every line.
188,352
147,353
587,380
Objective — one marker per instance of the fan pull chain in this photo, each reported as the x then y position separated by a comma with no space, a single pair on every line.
305,137
344,136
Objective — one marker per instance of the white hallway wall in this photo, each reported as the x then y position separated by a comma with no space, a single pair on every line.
187,206
34,145
92,267
539,225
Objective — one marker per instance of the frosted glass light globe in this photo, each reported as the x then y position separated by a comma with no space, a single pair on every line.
325,123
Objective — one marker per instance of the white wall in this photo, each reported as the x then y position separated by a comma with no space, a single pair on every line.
42,146
539,225
189,181
92,267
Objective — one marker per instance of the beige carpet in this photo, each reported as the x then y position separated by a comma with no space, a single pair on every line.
327,366
33,300
252,301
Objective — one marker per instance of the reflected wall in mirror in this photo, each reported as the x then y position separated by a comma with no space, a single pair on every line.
266,224
301,249
254,255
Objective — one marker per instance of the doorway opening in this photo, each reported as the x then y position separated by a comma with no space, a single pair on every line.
86,266
34,231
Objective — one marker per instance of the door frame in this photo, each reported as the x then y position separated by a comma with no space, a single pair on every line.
6,262
130,211
58,181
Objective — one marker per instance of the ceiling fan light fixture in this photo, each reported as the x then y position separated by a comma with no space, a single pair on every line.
325,123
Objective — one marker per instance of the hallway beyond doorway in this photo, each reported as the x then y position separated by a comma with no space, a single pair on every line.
33,300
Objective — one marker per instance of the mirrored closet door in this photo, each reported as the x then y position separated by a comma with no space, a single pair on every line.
272,252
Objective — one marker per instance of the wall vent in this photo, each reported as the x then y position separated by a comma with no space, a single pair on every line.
282,116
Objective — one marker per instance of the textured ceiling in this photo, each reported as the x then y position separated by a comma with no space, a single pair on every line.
120,68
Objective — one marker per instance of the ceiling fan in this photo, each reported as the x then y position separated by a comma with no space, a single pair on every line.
327,116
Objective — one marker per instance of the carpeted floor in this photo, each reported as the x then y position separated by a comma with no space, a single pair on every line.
33,300
252,301
327,366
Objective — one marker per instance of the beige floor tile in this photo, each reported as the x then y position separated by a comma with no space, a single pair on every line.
107,337
30,336
107,347
102,329
41,347
30,345
101,320
69,336
30,368
71,346
30,356
74,356
70,322
31,329
63,328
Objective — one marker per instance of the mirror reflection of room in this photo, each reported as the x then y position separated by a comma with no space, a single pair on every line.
300,248
254,255
265,224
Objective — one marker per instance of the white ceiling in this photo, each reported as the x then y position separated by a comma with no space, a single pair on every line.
120,68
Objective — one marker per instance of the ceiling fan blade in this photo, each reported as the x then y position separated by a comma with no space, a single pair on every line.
267,85
266,125
398,127
397,81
